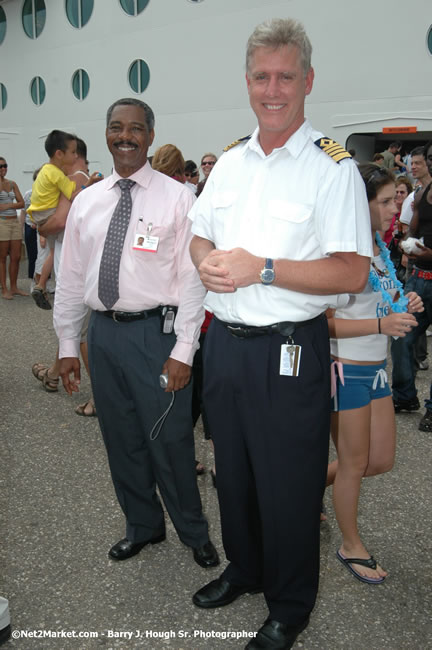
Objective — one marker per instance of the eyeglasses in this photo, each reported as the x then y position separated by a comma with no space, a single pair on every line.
191,174
208,162
3,166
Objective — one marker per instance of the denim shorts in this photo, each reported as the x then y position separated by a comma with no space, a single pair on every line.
359,385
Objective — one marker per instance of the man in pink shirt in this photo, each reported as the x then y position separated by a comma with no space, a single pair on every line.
132,340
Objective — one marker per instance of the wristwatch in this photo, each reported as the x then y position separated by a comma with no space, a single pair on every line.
267,275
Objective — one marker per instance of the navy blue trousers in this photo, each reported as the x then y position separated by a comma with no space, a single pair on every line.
271,437
126,360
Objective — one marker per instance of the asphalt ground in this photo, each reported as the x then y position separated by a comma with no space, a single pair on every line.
59,516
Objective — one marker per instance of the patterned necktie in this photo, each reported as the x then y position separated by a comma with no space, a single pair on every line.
108,288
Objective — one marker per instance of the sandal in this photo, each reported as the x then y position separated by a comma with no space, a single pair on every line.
39,369
40,298
50,384
87,409
370,564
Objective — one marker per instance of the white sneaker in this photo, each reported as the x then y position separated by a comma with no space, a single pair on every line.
423,365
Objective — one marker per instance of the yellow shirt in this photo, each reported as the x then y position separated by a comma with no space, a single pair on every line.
46,190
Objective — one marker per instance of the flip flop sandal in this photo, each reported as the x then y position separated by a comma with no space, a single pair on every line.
40,298
91,409
50,385
370,564
38,370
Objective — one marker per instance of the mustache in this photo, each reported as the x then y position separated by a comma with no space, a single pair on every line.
120,143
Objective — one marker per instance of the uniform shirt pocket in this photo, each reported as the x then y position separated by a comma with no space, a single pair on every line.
289,225
224,205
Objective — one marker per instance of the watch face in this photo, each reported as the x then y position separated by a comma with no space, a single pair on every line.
267,276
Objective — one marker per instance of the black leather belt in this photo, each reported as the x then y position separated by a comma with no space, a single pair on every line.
129,316
285,328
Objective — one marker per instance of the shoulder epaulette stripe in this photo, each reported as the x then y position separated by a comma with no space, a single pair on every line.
236,142
333,149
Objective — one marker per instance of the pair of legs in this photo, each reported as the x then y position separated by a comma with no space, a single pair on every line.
126,359
49,375
13,250
365,442
271,436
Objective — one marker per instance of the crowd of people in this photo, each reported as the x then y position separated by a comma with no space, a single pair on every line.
245,276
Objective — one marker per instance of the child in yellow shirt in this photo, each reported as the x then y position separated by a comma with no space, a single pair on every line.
52,181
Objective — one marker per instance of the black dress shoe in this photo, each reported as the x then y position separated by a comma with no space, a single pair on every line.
206,555
124,549
276,636
220,592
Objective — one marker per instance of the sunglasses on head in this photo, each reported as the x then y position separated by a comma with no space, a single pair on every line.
377,175
3,166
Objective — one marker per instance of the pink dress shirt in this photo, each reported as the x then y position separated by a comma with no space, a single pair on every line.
147,279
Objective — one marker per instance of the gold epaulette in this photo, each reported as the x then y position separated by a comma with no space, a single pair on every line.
236,142
333,149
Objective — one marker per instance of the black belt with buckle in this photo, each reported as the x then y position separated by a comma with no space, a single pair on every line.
285,328
129,316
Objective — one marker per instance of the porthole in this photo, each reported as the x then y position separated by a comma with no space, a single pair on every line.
134,7
33,17
79,12
2,25
139,75
3,96
37,90
80,84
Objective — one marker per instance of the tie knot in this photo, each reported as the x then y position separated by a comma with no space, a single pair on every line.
125,184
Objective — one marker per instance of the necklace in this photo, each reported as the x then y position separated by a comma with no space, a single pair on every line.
401,304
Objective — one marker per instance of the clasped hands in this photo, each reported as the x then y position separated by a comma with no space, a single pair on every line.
225,271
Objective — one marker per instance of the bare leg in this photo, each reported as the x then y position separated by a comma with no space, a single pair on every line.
352,429
46,270
4,250
15,256
54,370
383,437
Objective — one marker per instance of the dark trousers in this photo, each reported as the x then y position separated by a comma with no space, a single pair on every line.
271,437
30,238
126,360
198,381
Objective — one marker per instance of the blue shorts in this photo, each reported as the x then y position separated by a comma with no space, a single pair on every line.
362,384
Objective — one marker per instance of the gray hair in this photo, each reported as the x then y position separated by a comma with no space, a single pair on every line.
276,33
131,101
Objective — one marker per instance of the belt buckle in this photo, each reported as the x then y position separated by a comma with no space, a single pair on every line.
114,317
237,331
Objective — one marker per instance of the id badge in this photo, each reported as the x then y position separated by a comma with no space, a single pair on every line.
146,242
290,360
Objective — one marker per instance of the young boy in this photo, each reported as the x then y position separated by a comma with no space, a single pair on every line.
49,184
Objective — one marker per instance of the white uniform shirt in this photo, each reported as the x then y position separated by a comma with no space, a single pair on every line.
296,203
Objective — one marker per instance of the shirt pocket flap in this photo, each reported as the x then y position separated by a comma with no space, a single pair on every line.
288,211
223,199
